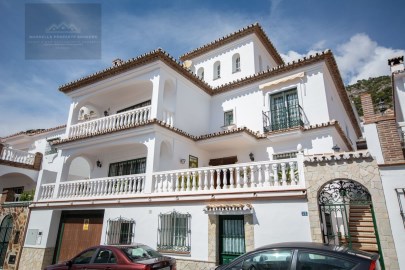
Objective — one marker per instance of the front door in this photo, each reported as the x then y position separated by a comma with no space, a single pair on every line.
78,230
231,238
5,235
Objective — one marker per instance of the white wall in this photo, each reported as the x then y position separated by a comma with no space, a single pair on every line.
47,222
393,177
373,142
399,80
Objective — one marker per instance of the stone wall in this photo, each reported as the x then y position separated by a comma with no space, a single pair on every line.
362,169
19,214
35,258
194,265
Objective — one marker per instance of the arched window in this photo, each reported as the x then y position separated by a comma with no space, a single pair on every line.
235,62
200,73
217,70
5,235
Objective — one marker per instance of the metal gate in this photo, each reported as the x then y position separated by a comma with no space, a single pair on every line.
347,216
5,235
231,238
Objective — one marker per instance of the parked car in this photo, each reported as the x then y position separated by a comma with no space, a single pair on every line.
304,256
118,258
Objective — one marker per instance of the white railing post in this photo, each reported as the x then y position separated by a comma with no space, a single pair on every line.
300,167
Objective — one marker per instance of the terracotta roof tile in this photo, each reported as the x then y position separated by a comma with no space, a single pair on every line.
253,28
33,132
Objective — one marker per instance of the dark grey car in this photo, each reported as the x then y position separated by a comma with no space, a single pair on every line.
304,256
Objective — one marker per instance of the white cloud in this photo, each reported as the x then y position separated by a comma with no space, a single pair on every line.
357,59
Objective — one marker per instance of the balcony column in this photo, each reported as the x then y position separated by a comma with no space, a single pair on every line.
70,117
150,164
300,166
61,174
157,96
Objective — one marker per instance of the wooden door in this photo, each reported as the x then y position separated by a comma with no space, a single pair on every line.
76,233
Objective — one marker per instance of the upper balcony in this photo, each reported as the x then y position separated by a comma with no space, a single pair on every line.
21,159
280,178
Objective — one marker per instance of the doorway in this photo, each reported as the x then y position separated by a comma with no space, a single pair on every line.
78,230
231,237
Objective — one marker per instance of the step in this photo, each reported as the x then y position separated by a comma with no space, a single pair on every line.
370,234
354,229
361,219
366,247
364,240
360,214
361,224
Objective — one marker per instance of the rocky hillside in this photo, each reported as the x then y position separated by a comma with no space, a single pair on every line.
379,88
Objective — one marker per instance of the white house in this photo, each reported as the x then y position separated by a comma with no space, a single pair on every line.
205,159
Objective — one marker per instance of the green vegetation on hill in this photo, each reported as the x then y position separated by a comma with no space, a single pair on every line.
379,88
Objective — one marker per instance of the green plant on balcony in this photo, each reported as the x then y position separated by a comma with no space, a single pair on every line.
27,195
288,175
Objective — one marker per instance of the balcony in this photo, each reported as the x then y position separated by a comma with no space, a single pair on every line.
283,118
18,158
263,176
108,123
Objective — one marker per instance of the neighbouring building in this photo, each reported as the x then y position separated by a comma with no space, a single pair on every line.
205,159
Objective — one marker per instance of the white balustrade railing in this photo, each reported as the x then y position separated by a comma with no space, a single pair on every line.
46,191
168,117
111,122
265,174
14,155
101,187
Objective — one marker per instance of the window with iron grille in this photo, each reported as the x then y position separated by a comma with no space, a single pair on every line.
134,166
50,149
228,118
120,231
401,200
174,234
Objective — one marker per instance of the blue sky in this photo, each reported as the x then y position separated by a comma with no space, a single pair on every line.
362,35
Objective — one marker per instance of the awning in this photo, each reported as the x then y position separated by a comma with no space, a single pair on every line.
284,79
229,209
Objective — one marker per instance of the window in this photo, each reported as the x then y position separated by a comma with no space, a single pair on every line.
217,70
200,73
85,257
105,256
134,166
235,62
133,107
120,231
174,232
269,259
228,118
284,110
307,260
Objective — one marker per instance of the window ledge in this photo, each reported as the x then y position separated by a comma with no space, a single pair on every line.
236,71
229,127
217,78
173,252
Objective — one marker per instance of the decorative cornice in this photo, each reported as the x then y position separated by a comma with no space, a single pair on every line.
34,132
234,208
253,28
337,156
255,135
141,60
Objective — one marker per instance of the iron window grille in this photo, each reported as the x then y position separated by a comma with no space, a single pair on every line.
134,166
120,231
285,155
50,149
401,201
174,234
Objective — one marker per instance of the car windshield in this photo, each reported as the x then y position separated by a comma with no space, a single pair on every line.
137,253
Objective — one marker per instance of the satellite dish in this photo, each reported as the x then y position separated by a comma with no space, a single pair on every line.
187,64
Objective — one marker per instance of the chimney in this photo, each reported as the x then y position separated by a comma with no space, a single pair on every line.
368,107
396,63
117,62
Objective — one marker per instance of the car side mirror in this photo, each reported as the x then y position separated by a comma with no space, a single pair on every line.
69,264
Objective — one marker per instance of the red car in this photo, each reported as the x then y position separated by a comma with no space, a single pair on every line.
118,258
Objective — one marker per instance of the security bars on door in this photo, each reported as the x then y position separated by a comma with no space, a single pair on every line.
174,234
120,231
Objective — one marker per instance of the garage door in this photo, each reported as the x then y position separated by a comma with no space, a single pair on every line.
78,230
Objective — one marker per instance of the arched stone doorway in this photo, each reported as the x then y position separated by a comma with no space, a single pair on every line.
5,235
347,215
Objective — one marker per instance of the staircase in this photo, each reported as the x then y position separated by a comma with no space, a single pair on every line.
361,228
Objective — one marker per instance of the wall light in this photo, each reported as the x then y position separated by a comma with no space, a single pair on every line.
182,161
251,156
98,163
336,148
